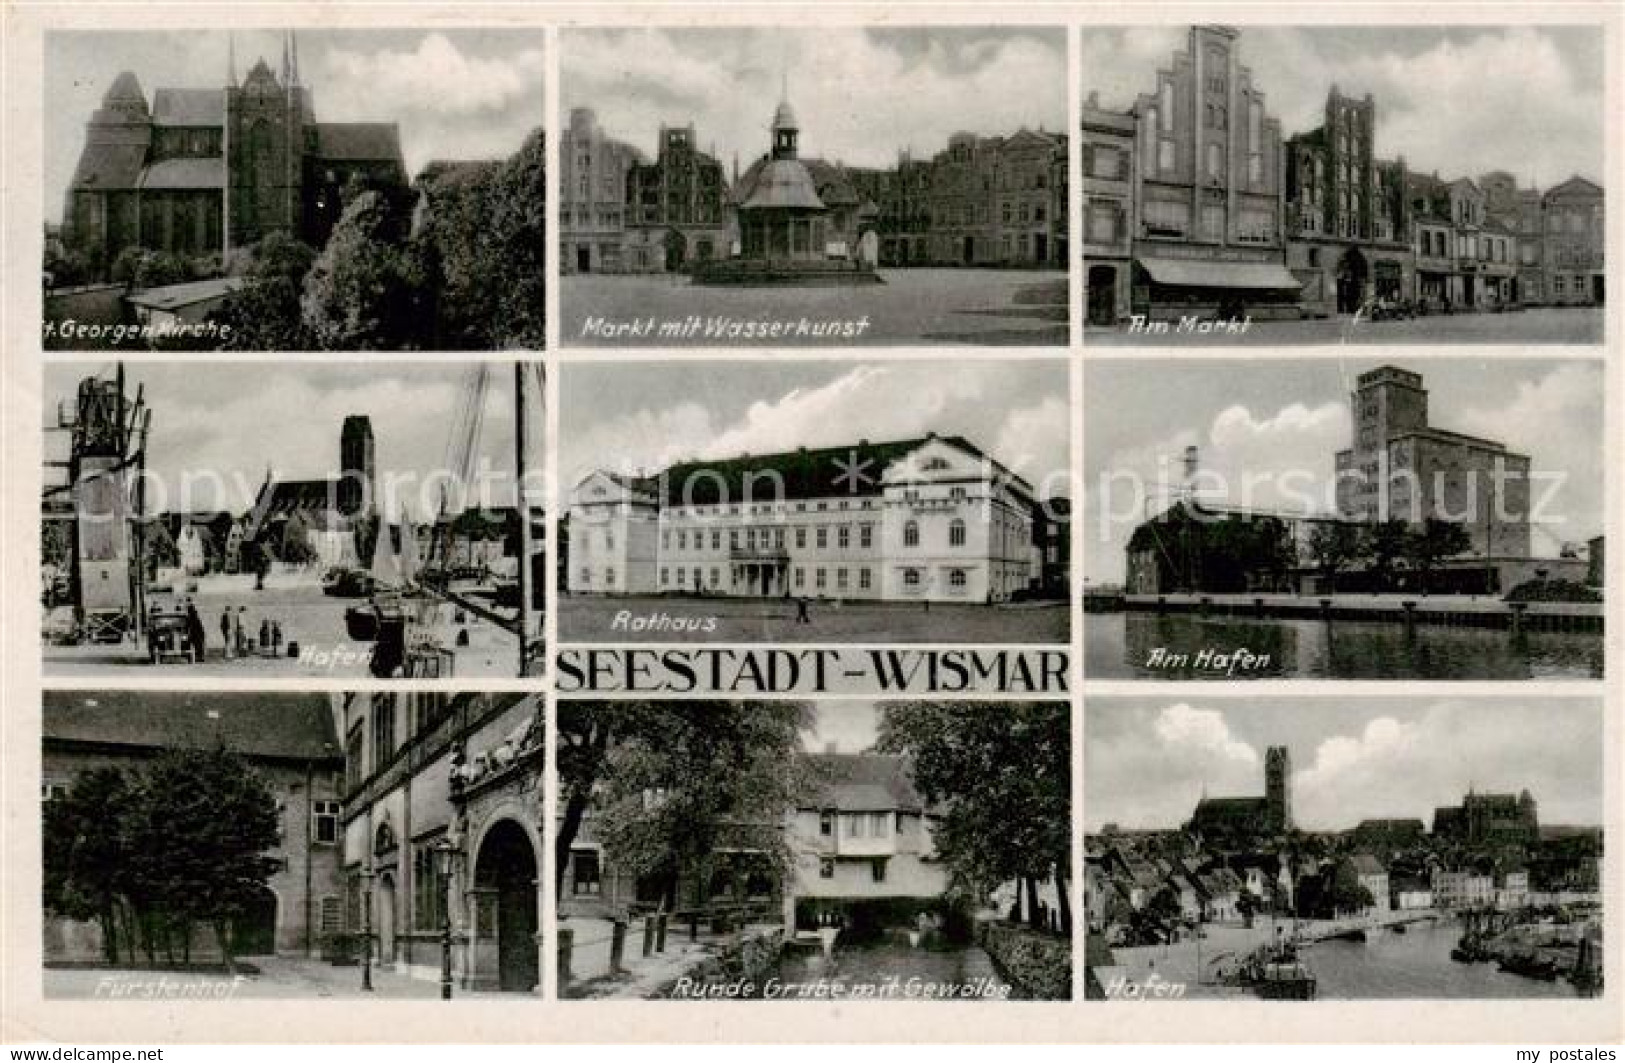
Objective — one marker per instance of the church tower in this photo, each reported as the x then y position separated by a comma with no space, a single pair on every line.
1278,789
358,464
266,118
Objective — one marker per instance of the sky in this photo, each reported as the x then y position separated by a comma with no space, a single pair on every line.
861,95
842,727
1288,417
1463,100
456,94
1149,760
219,426
639,418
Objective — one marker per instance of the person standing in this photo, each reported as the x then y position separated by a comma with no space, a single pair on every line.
225,631
195,633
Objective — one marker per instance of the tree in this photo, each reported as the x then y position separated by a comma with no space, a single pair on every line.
1384,543
264,314
86,851
671,784
361,291
199,832
295,547
483,251
1432,543
1334,545
1002,774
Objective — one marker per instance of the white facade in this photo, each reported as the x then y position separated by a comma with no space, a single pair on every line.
941,523
865,854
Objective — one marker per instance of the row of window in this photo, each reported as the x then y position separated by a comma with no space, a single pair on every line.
776,538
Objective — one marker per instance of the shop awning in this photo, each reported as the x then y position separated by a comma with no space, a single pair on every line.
1192,274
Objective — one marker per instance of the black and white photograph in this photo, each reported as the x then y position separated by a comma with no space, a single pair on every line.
828,852
303,521
1344,518
815,502
294,190
832,185
1280,185
322,869
1336,848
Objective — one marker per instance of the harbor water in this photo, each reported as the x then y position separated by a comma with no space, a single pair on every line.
1142,645
1415,966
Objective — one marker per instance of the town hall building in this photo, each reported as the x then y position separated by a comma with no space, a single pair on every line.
924,519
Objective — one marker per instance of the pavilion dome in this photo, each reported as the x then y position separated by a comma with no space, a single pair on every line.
783,183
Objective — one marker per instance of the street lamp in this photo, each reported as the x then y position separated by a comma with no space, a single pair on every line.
445,864
366,929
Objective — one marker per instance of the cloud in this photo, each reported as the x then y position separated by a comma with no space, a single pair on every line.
437,77
861,96
1276,460
874,402
1147,765
1393,768
1437,105
1557,419
1153,771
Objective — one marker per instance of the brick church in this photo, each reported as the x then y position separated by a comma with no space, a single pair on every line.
201,172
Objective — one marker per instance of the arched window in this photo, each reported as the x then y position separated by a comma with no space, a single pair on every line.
911,534
956,532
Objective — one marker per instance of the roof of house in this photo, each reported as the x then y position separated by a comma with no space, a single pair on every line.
283,497
291,726
359,141
188,107
1366,864
855,470
176,296
863,782
184,174
1576,184
781,184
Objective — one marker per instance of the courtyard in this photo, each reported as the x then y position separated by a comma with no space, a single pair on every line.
656,618
1575,325
919,306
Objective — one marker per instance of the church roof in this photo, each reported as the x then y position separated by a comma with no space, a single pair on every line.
784,117
125,88
863,782
183,174
781,184
359,141
108,167
267,725
189,107
282,498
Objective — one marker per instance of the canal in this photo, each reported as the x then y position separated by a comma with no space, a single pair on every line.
888,969
1138,645
1415,966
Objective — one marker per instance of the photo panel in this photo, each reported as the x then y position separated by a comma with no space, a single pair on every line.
361,845
309,189
311,521
909,187
1384,517
816,502
830,851
1335,848
1268,185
